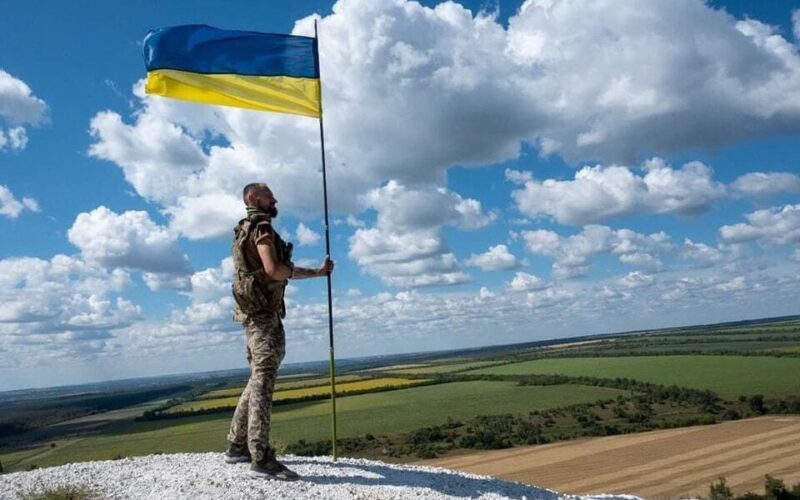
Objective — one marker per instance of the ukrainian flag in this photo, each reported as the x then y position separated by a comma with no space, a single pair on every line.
245,69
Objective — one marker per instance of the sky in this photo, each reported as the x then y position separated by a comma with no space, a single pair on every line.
498,172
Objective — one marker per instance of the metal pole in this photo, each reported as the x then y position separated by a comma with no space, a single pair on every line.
327,248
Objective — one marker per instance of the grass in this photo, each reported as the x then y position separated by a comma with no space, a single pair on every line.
73,492
321,390
729,376
378,413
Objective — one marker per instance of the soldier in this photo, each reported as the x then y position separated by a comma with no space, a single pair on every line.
263,266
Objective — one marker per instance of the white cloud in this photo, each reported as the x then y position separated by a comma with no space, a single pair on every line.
775,225
13,138
523,282
306,236
497,258
481,91
406,246
60,309
131,240
11,207
650,73
518,176
18,107
549,297
599,193
402,208
636,279
352,221
572,254
736,284
414,258
765,184
704,255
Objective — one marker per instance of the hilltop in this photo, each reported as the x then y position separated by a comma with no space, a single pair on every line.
206,476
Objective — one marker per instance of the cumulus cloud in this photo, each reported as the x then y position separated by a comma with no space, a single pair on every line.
651,73
402,208
11,207
306,236
131,240
766,184
572,254
636,279
780,226
413,90
406,246
523,282
497,258
62,308
703,255
733,285
18,107
599,193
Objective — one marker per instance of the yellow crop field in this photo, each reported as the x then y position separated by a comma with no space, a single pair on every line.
279,386
359,385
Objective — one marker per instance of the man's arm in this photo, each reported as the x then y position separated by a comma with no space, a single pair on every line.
302,272
272,267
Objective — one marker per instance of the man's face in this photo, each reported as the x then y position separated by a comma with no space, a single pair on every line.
267,202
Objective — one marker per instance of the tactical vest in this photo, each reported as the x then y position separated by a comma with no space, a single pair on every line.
254,292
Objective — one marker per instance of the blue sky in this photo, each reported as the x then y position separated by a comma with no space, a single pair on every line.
499,172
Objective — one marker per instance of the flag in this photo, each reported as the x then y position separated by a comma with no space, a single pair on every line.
245,69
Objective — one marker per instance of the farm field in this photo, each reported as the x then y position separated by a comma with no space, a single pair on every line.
280,385
378,413
320,390
729,376
658,464
444,367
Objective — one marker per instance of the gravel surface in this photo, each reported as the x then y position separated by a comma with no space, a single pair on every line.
207,476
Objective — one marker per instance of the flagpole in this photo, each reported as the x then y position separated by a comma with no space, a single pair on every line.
327,248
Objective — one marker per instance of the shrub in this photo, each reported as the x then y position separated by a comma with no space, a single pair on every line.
720,491
731,414
756,403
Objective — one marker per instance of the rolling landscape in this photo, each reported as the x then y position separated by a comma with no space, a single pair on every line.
717,401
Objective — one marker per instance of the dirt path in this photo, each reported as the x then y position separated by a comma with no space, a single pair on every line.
659,464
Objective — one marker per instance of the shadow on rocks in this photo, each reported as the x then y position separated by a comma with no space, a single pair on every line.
441,481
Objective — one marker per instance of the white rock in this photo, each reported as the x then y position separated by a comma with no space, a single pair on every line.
207,476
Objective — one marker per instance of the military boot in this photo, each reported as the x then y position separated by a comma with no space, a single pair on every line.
271,468
237,453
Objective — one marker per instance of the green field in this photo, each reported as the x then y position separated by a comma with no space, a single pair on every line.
644,348
729,376
378,413
445,367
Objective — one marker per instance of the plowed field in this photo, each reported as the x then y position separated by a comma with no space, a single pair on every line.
659,464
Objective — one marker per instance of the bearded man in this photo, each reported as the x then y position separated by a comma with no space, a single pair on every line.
263,265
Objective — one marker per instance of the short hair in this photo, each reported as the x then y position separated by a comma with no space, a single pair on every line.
251,189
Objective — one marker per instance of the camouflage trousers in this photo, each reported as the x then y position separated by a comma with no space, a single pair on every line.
266,347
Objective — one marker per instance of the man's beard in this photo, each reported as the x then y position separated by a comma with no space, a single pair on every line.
271,210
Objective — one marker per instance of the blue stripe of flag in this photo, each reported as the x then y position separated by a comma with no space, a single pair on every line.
204,49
